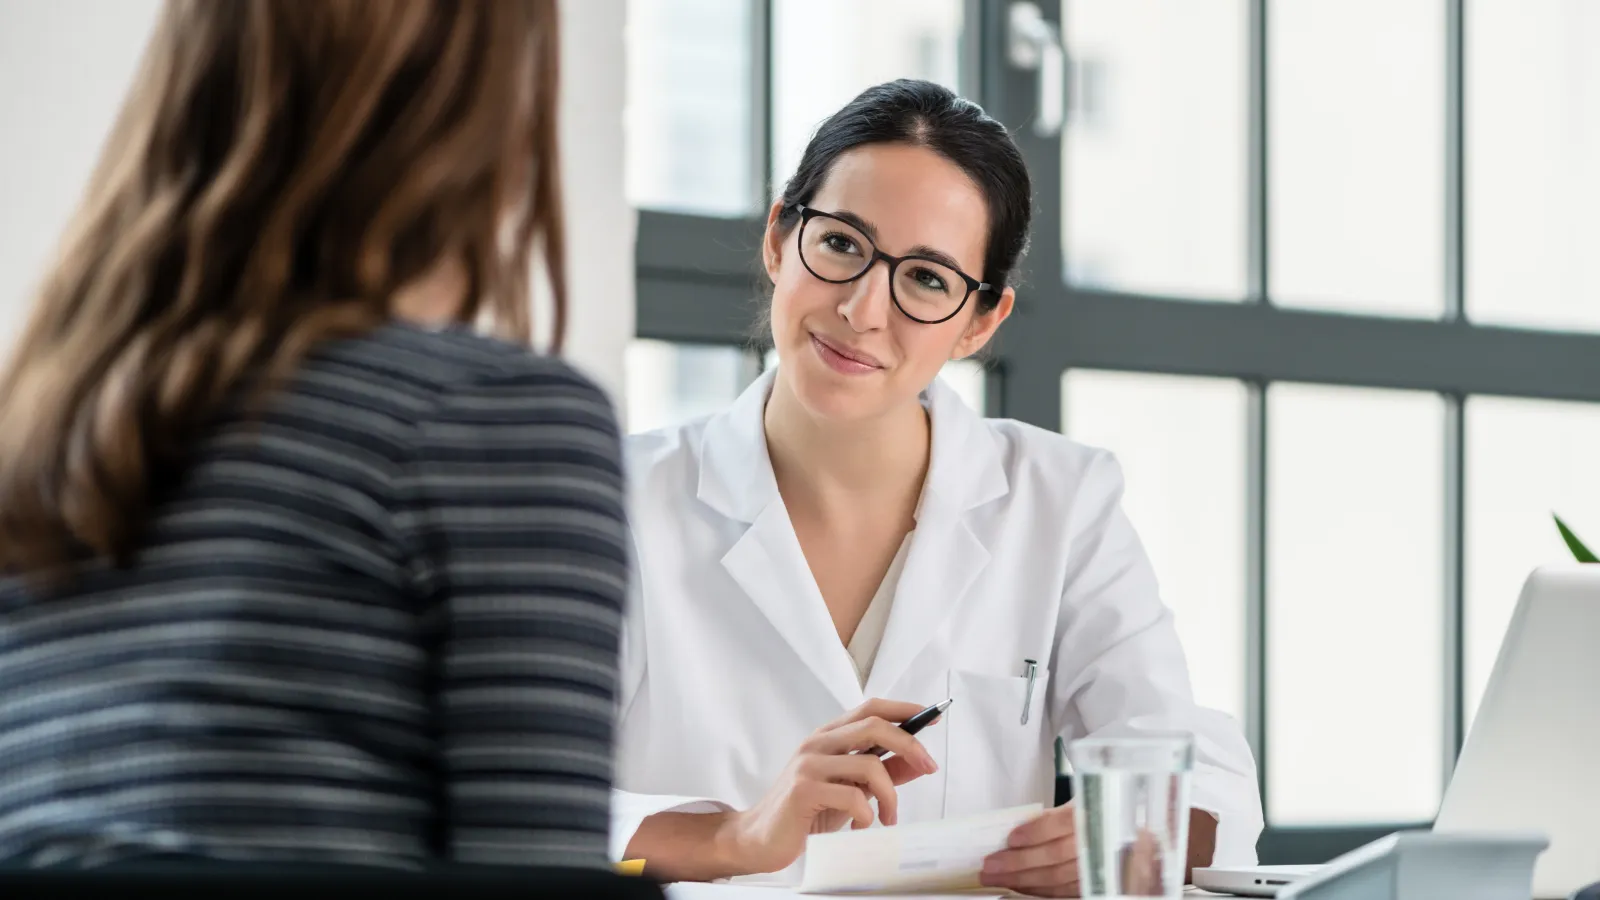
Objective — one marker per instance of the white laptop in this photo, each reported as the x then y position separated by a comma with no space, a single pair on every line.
1531,761
1250,881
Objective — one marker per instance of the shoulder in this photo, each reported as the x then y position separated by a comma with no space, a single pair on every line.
1051,467
458,359
454,372
451,400
664,463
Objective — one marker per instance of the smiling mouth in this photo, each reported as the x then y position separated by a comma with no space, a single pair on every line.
849,362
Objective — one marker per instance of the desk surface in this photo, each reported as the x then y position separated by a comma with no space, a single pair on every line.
768,892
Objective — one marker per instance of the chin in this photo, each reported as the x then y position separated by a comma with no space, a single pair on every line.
826,394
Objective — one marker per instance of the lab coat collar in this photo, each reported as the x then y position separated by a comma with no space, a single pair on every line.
965,470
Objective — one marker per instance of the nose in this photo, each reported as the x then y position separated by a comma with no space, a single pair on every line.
867,306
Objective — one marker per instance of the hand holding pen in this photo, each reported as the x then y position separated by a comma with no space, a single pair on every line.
830,781
916,723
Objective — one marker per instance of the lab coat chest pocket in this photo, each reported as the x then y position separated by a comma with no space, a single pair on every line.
995,759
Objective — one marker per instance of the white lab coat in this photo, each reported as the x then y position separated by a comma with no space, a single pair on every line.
1020,551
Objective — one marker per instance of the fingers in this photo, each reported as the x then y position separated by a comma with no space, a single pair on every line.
1044,856
901,770
1054,825
866,771
1055,881
888,710
846,798
1046,871
1141,867
869,733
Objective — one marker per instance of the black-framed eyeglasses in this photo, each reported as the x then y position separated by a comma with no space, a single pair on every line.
923,288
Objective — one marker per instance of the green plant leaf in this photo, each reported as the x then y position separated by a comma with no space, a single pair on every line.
1576,546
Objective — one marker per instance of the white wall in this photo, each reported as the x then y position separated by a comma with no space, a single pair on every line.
65,64
600,222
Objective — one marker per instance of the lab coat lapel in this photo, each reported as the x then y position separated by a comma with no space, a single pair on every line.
769,565
944,560
946,555
766,561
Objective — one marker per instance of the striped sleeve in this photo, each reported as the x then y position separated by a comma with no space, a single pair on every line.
515,505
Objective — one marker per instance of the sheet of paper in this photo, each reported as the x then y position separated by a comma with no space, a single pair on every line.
724,891
946,855
765,892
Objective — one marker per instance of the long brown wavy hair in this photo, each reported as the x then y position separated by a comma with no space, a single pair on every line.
278,170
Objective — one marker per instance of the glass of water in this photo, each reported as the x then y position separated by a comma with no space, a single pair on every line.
1131,799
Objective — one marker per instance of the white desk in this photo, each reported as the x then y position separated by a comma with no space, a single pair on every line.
764,892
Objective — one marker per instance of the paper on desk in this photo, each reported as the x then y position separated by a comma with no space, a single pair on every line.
943,855
767,892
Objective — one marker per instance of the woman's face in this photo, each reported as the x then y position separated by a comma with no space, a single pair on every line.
848,353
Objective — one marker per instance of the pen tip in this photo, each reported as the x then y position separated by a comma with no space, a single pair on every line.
946,704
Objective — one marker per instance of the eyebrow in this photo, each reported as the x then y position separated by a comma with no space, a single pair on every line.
867,228
921,250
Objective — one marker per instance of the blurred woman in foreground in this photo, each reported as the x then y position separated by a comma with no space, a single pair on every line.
293,566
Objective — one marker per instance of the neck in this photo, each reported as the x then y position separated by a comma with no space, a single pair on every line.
822,466
435,297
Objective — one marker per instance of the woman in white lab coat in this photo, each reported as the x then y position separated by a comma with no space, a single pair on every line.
848,543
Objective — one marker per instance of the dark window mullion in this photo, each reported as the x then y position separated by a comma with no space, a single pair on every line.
1454,636
982,53
1455,436
761,103
1256,648
1256,446
1455,161
1029,361
969,66
1256,213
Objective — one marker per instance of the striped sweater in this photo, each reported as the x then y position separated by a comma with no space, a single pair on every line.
376,624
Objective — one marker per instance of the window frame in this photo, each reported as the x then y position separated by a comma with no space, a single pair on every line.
698,281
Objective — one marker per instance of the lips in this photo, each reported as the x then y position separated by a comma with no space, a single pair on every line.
855,356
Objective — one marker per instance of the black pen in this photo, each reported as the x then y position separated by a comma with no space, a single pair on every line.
917,722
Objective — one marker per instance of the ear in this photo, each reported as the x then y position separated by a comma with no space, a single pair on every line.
983,325
772,242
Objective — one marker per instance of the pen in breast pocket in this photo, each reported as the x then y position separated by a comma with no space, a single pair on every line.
917,722
1031,672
